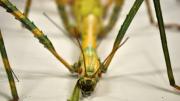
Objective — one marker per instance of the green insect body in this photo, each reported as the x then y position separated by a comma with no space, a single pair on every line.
88,15
89,26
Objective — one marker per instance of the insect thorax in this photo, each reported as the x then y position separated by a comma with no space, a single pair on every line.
87,13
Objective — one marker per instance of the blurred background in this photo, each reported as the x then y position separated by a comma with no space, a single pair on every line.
137,73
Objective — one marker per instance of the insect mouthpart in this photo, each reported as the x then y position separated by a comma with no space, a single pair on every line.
87,85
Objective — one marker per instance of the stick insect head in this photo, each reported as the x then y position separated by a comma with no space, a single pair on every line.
87,85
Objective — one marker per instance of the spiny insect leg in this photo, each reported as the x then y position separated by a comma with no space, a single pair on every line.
164,43
8,69
153,22
122,31
43,39
113,19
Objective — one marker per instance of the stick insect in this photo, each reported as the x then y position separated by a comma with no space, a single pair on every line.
89,15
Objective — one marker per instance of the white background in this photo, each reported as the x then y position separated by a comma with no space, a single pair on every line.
137,73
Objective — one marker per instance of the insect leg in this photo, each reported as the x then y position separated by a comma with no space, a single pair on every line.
106,6
122,32
8,69
64,16
113,19
153,22
43,39
27,7
164,43
149,11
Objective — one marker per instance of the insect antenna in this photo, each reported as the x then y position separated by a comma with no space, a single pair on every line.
60,28
108,59
79,44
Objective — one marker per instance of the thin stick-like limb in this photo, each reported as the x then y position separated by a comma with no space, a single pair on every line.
109,58
43,39
124,28
149,11
164,43
62,12
84,60
113,19
153,22
27,7
127,22
60,28
106,6
64,16
8,69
